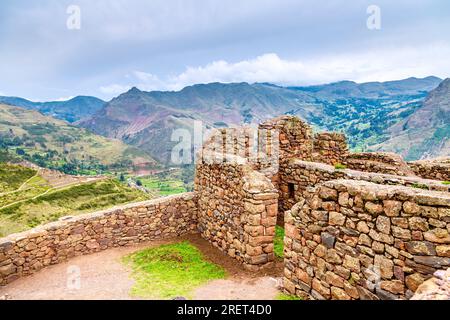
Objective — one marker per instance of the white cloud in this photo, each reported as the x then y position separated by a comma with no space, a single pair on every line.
381,65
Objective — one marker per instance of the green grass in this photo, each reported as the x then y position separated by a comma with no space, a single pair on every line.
278,244
420,186
283,296
340,166
75,200
13,176
163,187
169,271
446,182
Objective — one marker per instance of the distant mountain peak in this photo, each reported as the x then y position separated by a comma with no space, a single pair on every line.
134,90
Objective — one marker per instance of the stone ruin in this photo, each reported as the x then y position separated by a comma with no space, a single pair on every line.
358,225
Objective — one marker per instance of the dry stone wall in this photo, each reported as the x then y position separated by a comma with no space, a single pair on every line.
25,253
330,148
350,239
296,138
296,176
379,162
237,212
437,170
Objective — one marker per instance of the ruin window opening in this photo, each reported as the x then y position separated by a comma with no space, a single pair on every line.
291,189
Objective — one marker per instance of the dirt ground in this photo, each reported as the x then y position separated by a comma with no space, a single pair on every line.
103,276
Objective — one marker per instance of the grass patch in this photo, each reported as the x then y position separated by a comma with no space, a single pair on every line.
420,186
163,187
278,243
446,182
283,296
169,271
340,166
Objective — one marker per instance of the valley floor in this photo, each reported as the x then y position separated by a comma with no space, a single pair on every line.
104,277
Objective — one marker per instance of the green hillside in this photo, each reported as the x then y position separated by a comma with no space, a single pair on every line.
12,177
32,200
58,145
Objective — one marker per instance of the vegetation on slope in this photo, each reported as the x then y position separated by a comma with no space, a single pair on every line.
170,271
13,176
39,203
57,145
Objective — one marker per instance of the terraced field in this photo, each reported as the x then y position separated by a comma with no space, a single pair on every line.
33,197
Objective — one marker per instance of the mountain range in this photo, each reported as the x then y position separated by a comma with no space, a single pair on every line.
365,112
72,110
407,116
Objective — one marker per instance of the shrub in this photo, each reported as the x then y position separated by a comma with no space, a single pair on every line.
340,166
420,186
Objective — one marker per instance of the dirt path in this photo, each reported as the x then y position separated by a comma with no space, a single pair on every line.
103,276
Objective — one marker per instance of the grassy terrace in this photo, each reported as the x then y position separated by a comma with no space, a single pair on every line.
37,203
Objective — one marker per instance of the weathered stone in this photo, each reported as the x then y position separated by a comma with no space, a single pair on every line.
383,224
351,263
414,281
411,207
365,240
365,294
6,270
320,251
437,235
328,239
336,218
351,290
328,193
320,288
435,262
334,280
362,227
333,257
443,251
394,286
392,208
339,294
417,223
401,233
378,247
421,248
374,208
385,266
343,199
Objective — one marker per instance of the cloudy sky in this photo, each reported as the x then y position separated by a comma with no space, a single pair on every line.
169,44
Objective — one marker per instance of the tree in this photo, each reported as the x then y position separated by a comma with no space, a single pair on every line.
139,183
20,152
